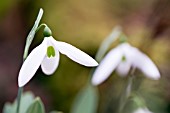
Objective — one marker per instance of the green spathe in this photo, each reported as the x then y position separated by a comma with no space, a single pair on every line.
50,51
31,34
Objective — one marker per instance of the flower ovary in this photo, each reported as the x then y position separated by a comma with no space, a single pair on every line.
47,32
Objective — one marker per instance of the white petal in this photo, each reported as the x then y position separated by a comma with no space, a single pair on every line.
123,68
74,53
49,65
107,65
145,64
142,110
32,63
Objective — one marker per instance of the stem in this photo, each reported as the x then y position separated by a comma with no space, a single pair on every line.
126,93
20,90
39,27
30,37
115,34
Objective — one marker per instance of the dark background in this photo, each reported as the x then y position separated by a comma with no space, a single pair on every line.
84,24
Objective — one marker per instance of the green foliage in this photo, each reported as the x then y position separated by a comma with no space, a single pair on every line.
36,107
26,100
86,101
29,104
56,112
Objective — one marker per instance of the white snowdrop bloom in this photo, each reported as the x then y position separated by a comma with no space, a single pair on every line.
121,59
142,110
47,55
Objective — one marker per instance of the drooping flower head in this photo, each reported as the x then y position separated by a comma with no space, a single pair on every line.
121,59
47,55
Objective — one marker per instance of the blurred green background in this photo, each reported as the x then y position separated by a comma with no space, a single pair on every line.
85,24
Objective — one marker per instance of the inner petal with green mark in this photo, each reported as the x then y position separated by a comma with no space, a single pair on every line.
50,51
123,58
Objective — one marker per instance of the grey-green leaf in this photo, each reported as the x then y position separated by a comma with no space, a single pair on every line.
26,99
9,108
86,101
56,112
31,34
36,107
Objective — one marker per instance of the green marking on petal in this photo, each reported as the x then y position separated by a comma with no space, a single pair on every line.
50,51
123,58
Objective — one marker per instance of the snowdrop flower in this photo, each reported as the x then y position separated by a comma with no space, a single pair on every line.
47,55
121,59
142,110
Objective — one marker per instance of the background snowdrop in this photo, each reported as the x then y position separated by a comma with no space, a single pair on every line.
125,59
77,22
142,110
122,59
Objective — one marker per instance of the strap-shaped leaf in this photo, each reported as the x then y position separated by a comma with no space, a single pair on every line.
31,34
26,100
86,101
36,107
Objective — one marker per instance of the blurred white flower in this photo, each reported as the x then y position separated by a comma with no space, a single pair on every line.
121,59
142,110
47,55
